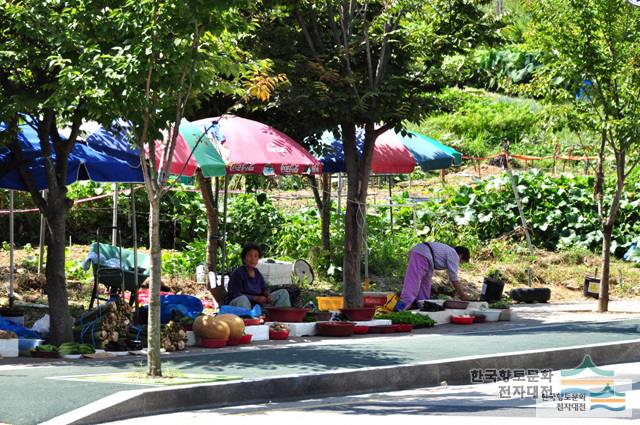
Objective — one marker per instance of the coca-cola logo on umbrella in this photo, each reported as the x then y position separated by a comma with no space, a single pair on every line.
272,147
242,168
289,169
634,2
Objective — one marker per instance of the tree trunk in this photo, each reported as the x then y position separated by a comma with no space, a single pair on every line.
325,212
61,322
323,203
211,205
603,296
154,366
358,170
353,226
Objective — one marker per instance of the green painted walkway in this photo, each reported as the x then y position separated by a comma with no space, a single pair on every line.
33,394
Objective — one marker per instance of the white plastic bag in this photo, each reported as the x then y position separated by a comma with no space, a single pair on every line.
42,325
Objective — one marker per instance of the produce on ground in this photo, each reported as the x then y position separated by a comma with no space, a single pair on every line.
70,348
206,326
408,318
278,327
173,337
7,335
46,348
235,323
107,323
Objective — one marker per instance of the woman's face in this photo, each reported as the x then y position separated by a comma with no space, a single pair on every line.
252,257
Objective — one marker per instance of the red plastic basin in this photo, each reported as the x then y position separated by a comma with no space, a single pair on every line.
212,342
359,314
404,327
244,339
278,335
382,329
286,314
335,328
360,329
251,322
462,320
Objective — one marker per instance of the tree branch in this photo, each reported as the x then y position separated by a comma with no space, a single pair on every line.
305,31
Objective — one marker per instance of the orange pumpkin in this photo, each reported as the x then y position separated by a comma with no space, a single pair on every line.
208,327
235,323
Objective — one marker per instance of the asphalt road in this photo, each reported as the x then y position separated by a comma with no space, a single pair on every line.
442,404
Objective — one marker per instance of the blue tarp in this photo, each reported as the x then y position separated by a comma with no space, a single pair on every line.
21,331
103,159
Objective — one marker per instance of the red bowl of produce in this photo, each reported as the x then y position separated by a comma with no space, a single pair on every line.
244,339
359,314
462,320
404,327
212,342
286,314
251,322
278,335
359,330
335,328
382,329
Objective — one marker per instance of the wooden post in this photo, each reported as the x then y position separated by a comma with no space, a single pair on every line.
519,204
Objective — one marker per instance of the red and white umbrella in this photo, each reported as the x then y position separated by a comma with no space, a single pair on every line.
256,148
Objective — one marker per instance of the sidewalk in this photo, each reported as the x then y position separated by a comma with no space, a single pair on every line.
539,336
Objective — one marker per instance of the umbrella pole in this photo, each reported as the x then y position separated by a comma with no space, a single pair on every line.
224,227
134,229
339,195
11,249
42,230
114,219
390,204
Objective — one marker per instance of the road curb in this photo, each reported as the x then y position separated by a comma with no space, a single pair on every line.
136,403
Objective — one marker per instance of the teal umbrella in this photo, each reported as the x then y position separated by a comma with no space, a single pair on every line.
429,153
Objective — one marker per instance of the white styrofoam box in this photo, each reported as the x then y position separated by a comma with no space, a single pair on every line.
476,305
259,332
491,315
191,339
376,322
440,317
276,273
299,328
9,347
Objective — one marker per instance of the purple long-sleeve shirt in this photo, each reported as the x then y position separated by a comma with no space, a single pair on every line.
240,283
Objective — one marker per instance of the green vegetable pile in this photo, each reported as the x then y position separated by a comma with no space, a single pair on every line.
46,348
408,318
69,348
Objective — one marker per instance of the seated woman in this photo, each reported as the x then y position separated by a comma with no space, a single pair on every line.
247,286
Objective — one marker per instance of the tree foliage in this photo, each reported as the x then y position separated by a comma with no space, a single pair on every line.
590,55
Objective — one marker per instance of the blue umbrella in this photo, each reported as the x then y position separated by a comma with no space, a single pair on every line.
102,159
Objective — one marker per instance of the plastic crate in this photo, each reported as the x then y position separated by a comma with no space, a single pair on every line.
330,303
374,300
